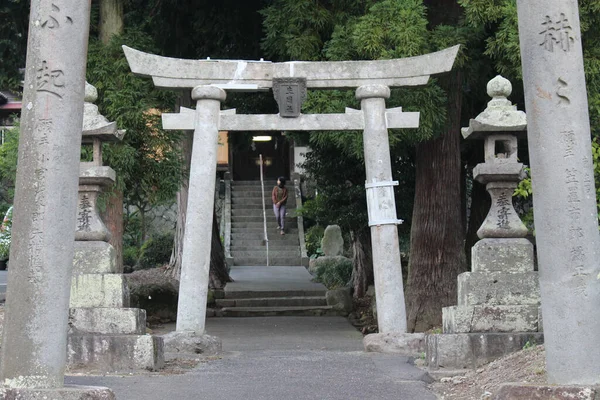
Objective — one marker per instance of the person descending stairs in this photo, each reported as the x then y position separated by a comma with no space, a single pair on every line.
248,246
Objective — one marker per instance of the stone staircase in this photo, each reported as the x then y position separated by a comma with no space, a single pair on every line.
261,291
247,244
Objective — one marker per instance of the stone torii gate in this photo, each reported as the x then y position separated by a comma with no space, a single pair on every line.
209,81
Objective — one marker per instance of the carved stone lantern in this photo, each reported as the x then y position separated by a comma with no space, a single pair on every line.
499,126
498,300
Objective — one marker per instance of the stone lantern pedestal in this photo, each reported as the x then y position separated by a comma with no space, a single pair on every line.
104,333
498,301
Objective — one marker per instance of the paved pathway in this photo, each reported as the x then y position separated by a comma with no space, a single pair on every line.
280,358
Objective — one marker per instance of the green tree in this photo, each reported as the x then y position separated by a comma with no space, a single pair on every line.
386,29
148,165
14,19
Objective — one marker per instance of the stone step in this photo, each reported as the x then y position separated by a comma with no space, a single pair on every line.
257,190
259,294
273,248
274,302
270,218
258,212
275,242
249,201
273,254
280,262
260,225
258,231
277,311
240,206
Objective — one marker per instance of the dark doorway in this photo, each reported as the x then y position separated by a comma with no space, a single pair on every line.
275,152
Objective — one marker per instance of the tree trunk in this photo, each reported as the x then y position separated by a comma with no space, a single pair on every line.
362,274
218,267
113,219
174,268
437,236
111,19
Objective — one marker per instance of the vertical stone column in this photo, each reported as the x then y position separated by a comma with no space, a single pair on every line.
193,288
563,182
389,291
39,280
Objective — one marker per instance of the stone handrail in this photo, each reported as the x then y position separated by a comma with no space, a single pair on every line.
298,194
226,216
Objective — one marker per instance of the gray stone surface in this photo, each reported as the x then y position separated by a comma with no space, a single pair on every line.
502,255
304,358
515,391
193,286
115,353
191,343
94,258
332,242
497,288
107,321
472,350
408,344
566,226
391,310
67,392
488,318
258,75
500,115
43,232
99,290
502,220
340,299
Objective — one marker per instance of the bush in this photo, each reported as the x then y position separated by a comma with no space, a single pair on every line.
313,237
5,234
155,252
130,257
334,273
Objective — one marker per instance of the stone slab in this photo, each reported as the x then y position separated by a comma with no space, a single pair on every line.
115,353
99,290
251,75
332,243
191,343
498,288
517,391
94,257
67,392
502,255
340,299
107,321
407,344
466,319
472,350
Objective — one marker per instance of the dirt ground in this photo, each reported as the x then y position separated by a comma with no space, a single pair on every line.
525,366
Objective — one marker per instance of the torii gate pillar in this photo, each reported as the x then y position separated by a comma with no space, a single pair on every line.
195,261
391,310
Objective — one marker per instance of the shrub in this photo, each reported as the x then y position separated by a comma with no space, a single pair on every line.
334,272
5,235
130,257
155,252
313,237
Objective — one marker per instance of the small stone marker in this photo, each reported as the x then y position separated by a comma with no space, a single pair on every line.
332,242
37,303
564,198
